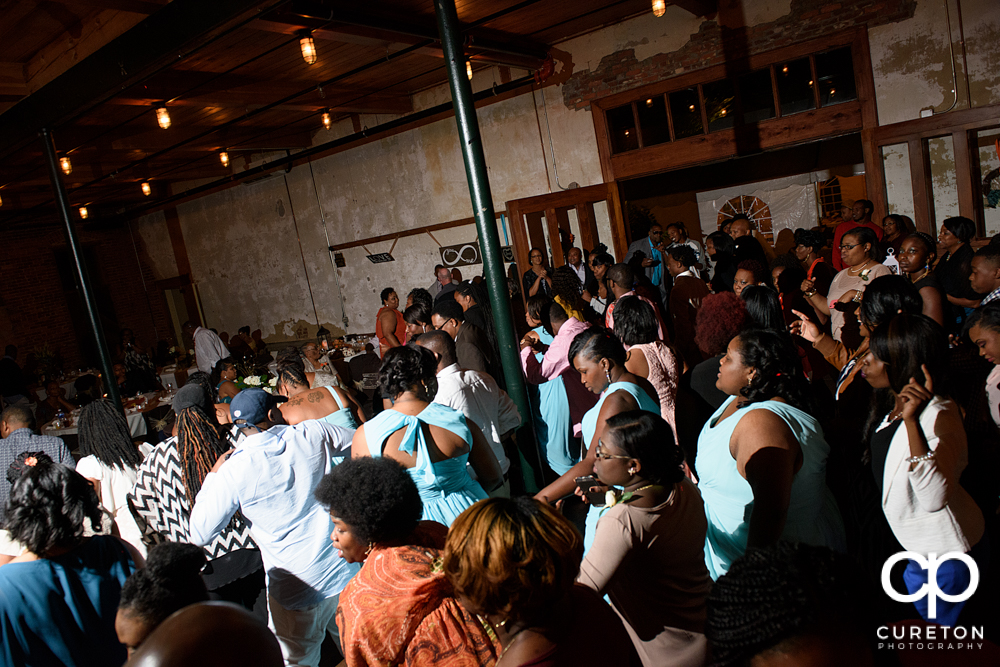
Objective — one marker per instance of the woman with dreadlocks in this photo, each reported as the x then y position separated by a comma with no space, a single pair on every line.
168,482
110,462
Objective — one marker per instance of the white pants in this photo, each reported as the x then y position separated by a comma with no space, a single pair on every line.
301,632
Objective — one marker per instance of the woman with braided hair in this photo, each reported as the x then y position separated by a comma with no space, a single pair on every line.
166,487
330,404
762,456
111,462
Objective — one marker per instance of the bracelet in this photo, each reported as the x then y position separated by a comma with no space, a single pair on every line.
924,457
857,296
810,294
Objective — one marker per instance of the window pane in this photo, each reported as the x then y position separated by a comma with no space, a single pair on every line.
686,112
794,86
720,104
653,120
989,169
898,182
756,96
621,126
944,183
835,71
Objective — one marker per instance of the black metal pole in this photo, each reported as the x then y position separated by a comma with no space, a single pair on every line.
83,279
482,203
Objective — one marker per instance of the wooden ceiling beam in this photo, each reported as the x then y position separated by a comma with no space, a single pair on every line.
12,80
698,8
145,7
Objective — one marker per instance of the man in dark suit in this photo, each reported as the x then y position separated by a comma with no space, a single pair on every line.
471,345
651,247
574,259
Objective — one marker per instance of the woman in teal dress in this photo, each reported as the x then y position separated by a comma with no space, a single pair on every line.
549,403
434,442
600,359
223,377
762,456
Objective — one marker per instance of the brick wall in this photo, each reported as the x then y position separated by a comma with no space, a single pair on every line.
808,19
35,306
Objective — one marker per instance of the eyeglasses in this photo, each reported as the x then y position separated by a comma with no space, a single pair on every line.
849,247
600,455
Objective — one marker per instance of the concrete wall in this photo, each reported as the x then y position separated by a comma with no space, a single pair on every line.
244,247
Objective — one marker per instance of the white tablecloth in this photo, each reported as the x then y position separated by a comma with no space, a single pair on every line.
67,386
136,423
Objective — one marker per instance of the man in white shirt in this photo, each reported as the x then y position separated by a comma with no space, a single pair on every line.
270,477
208,347
574,259
475,395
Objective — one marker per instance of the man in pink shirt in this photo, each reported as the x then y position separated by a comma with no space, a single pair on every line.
556,363
861,216
622,280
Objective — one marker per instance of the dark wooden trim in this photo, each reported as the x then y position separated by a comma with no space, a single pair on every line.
776,99
552,223
799,128
963,176
616,217
814,83
588,224
603,142
407,232
920,182
670,117
703,109
591,193
176,282
941,124
864,81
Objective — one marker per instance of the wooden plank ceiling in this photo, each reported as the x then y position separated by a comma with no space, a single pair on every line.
245,90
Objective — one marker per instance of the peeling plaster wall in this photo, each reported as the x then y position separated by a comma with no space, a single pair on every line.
242,242
898,184
152,229
911,59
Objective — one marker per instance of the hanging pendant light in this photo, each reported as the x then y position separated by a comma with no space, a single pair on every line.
659,8
163,117
308,47
224,158
66,165
327,121
146,189
83,212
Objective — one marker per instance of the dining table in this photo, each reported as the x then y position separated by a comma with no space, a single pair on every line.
67,384
135,414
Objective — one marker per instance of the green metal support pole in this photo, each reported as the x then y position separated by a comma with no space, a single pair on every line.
83,279
482,203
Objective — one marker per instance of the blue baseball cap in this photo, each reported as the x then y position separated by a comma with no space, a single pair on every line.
252,406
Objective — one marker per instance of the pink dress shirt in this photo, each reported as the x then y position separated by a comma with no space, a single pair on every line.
556,363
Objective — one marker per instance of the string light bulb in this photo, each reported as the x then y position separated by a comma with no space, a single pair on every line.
83,212
468,69
224,158
327,121
146,190
659,8
66,165
308,47
163,117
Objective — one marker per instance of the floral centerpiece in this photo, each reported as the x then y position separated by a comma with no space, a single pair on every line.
260,381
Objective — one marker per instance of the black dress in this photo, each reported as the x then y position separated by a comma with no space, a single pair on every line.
953,275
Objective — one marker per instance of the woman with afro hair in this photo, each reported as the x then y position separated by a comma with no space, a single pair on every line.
400,603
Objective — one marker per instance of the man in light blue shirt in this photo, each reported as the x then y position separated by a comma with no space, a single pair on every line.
271,478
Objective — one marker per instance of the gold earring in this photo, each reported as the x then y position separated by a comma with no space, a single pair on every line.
371,545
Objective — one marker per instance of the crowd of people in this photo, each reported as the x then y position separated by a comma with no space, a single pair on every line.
726,445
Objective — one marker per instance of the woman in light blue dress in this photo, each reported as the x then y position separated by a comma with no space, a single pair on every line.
549,403
762,456
434,442
600,359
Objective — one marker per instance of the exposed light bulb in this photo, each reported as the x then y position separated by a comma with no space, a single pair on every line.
224,158
833,91
723,112
468,69
66,165
659,8
327,122
83,212
784,70
308,47
626,133
163,117
146,190
810,83
691,108
649,102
